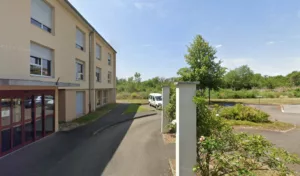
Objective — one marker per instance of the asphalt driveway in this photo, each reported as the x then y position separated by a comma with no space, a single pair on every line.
80,152
289,140
276,114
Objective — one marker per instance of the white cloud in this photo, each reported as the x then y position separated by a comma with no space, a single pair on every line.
147,45
270,43
144,5
155,6
218,46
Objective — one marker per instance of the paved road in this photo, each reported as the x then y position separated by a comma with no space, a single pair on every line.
276,114
80,153
290,140
142,151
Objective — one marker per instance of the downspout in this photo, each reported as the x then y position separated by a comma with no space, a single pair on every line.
90,70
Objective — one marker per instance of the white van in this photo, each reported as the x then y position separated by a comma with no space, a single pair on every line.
155,100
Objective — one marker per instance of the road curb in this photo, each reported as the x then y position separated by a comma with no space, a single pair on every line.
253,128
122,121
172,168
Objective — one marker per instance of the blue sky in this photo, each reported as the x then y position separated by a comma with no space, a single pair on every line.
151,36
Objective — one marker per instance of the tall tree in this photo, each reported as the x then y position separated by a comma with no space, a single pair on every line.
294,78
240,78
203,65
137,77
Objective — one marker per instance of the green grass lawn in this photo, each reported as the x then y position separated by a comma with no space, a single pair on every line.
95,115
138,101
135,107
272,101
275,101
269,125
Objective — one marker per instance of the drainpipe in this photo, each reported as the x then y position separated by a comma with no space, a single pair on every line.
90,70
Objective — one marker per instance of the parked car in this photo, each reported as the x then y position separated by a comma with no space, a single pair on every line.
155,100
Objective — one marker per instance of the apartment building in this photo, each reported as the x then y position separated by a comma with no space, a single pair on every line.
54,66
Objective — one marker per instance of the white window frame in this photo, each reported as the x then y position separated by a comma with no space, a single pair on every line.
98,79
98,51
77,44
43,54
109,77
109,59
80,74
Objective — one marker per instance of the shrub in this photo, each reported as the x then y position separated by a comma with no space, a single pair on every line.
123,95
171,108
241,112
135,96
222,152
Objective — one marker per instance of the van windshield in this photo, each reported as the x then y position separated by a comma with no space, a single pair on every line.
158,98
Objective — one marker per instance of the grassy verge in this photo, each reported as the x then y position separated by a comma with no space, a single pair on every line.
95,115
135,107
275,101
138,101
281,126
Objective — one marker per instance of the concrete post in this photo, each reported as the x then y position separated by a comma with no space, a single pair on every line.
165,102
186,139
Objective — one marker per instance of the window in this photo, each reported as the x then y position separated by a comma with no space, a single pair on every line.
99,92
79,39
104,96
41,15
109,77
98,74
40,60
109,59
79,70
98,52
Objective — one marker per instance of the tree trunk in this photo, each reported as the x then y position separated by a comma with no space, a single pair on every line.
209,96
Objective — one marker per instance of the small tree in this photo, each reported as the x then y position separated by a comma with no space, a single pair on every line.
203,65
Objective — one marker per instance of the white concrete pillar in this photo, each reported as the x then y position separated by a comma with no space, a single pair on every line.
165,102
186,139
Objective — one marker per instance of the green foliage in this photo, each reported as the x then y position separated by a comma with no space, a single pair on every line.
253,93
241,112
240,78
135,88
203,66
171,107
294,78
222,152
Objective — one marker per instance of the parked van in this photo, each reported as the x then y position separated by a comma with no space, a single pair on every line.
155,100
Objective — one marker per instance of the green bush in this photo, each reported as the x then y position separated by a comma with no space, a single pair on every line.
297,92
220,151
123,95
136,96
241,112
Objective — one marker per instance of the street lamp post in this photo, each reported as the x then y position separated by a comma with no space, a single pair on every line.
259,97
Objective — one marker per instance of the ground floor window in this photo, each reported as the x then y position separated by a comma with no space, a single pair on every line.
104,96
26,116
99,92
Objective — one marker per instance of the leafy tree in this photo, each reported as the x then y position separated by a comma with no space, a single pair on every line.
137,77
203,66
240,78
294,78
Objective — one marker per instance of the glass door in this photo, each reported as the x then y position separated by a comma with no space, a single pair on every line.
6,121
28,118
17,127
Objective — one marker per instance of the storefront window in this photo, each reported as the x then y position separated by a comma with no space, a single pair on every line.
5,112
16,110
